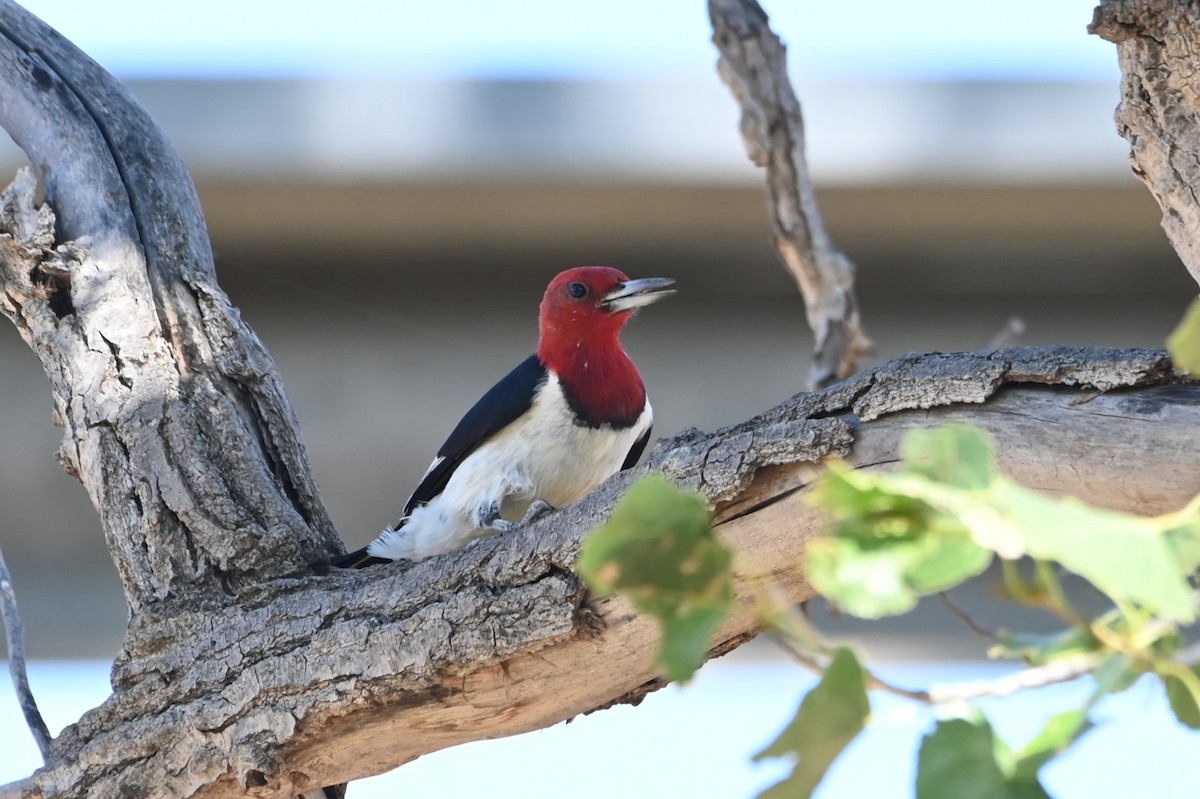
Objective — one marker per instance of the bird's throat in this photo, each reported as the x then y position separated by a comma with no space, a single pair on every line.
601,384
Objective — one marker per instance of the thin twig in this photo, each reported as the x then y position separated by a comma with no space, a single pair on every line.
15,636
787,628
965,618
753,65
816,666
1056,671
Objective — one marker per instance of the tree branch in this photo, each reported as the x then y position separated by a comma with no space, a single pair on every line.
1160,101
316,680
14,633
753,65
175,419
1052,673
967,618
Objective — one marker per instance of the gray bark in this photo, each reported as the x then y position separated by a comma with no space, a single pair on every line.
1159,112
174,417
753,65
247,668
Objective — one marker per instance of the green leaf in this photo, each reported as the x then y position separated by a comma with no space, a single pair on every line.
1182,531
659,550
955,455
1143,560
870,580
963,759
945,563
888,548
1183,692
1118,672
1184,342
1183,702
1055,738
896,537
868,506
829,718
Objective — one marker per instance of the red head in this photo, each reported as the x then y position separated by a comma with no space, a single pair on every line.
588,306
582,314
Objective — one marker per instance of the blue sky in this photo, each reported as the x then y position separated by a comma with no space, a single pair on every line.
937,39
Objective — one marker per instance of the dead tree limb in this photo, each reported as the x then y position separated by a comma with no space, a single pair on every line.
175,419
1160,106
753,65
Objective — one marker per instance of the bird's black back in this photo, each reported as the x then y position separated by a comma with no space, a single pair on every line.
496,409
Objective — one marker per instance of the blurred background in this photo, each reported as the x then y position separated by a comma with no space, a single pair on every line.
389,187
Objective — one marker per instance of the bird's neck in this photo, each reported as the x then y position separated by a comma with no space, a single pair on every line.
600,383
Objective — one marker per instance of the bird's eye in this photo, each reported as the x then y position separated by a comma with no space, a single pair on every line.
577,290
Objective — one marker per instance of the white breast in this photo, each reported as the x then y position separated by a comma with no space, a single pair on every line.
542,455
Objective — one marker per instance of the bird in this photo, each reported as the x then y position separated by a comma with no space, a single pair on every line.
564,420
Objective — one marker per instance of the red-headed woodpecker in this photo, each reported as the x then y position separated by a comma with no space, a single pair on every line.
558,425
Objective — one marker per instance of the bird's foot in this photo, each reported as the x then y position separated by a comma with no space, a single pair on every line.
488,518
537,509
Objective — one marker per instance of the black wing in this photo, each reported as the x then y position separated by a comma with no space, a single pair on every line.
637,449
498,408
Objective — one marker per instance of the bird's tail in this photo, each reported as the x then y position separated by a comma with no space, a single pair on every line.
358,559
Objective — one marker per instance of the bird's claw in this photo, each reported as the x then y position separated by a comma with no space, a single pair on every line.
537,509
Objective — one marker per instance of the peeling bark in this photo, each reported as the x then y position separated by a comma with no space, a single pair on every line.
175,419
1159,113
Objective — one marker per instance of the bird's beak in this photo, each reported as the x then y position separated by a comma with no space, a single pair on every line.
637,294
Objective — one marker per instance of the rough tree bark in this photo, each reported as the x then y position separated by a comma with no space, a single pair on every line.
753,65
1159,112
174,416
247,668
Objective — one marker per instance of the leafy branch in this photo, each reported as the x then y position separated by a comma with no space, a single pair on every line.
894,538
